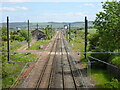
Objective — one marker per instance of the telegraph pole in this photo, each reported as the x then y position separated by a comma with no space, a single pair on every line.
8,46
69,31
37,26
86,30
28,36
51,32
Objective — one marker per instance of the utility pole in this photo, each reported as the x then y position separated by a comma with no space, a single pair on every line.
86,30
69,32
8,47
51,32
37,26
28,36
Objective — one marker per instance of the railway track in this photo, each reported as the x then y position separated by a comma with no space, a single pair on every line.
48,67
58,70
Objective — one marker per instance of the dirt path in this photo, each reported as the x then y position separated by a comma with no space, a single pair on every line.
24,47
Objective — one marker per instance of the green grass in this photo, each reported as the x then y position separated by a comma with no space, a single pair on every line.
78,43
13,48
37,44
91,30
23,57
101,77
11,71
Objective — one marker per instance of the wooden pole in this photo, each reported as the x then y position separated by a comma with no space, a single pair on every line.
69,32
86,30
8,44
28,36
37,26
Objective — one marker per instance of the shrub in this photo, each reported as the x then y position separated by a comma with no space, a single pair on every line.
115,59
113,84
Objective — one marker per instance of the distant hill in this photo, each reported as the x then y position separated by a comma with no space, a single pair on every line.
23,25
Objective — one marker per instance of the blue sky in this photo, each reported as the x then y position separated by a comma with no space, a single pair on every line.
50,11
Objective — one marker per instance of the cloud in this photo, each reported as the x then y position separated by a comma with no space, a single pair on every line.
89,5
12,8
60,17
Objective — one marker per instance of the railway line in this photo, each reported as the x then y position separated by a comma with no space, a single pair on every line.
56,68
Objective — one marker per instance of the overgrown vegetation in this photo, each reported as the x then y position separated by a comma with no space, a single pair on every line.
106,39
49,32
10,71
107,36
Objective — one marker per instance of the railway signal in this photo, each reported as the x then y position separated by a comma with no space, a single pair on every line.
66,28
8,44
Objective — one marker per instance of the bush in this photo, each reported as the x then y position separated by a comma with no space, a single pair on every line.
93,41
17,37
4,38
113,84
115,59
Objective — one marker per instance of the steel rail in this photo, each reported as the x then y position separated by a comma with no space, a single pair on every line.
69,63
53,66
79,73
44,67
62,65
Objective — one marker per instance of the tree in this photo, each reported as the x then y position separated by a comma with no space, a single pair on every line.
108,26
48,32
4,33
24,34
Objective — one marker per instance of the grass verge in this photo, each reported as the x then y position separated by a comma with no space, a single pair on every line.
37,44
10,71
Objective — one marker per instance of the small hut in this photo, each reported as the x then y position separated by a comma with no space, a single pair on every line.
38,34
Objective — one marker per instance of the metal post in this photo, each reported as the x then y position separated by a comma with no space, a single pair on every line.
28,36
89,68
8,47
86,29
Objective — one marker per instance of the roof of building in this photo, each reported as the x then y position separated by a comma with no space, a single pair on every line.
37,30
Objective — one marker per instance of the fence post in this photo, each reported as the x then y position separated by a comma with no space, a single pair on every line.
86,29
8,46
28,36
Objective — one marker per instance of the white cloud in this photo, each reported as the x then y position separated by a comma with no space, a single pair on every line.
89,5
60,17
12,8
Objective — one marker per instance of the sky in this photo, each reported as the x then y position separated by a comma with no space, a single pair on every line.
49,11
